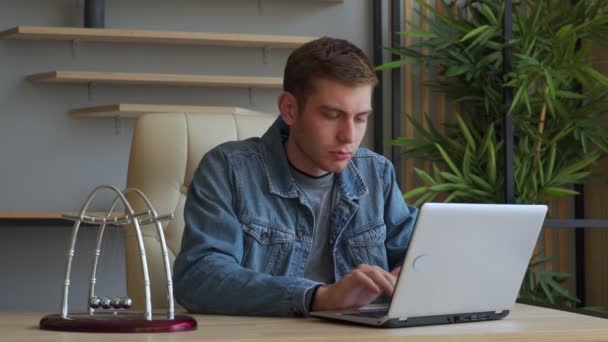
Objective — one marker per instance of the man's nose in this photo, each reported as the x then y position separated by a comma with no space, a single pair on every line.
346,131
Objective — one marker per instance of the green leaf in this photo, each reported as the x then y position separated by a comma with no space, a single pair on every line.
424,198
486,140
530,60
596,308
575,177
491,166
474,33
415,192
467,133
493,57
457,55
579,165
549,102
527,102
563,30
569,95
532,280
482,38
452,178
481,194
559,289
448,187
417,34
557,275
539,261
546,290
451,197
466,163
481,182
534,181
396,64
595,74
425,176
559,192
488,14
419,128
551,164
517,97
550,83
447,160
408,142
456,70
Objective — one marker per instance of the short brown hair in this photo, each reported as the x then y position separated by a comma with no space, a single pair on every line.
328,58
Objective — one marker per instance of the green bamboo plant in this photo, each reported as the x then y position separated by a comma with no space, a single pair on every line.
558,103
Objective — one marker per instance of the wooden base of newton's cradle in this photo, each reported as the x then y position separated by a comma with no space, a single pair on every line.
117,323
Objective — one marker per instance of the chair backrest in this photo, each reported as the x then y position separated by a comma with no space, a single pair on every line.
165,152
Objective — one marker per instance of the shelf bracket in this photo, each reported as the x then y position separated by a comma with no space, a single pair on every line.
260,7
117,125
90,87
75,44
250,96
266,54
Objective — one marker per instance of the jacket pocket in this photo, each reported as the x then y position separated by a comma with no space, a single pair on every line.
367,246
266,247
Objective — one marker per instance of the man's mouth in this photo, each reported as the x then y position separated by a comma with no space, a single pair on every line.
341,155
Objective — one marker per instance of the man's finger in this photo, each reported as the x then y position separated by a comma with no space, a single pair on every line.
391,279
379,277
363,279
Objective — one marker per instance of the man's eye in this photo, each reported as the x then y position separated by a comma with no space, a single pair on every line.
361,119
331,115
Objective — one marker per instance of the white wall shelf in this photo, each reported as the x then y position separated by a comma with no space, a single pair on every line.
93,77
154,37
130,110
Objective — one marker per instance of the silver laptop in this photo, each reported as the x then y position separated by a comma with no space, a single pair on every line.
465,262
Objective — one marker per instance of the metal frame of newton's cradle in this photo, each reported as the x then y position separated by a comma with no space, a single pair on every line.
116,320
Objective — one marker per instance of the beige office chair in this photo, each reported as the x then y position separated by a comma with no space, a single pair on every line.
165,152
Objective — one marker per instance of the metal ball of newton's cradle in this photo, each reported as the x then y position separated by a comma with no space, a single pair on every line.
115,303
95,302
126,302
105,303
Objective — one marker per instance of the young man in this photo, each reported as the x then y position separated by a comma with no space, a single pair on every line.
301,219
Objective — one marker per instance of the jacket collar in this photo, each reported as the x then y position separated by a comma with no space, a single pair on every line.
350,183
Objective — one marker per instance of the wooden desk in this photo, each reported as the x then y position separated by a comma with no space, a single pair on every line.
525,323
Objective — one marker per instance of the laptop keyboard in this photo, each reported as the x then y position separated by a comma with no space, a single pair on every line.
368,313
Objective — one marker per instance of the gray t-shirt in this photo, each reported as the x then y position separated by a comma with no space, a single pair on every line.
321,194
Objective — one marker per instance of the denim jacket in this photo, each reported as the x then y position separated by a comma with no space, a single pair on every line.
248,228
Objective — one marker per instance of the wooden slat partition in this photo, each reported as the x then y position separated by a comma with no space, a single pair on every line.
419,100
596,206
409,84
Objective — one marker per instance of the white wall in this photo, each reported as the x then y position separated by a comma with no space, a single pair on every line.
49,161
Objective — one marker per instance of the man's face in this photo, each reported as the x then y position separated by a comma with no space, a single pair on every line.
325,134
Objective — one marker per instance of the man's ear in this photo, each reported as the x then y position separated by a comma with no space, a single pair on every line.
288,107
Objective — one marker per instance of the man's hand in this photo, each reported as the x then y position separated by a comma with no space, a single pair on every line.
359,288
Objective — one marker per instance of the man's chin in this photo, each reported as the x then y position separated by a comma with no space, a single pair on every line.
337,167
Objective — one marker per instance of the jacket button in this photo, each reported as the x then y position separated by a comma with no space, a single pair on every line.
300,233
264,236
